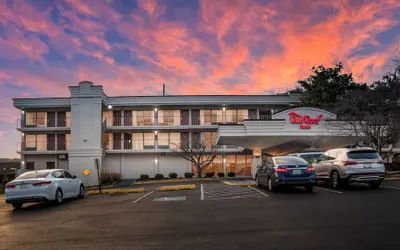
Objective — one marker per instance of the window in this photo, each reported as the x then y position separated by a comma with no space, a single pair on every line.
210,139
33,174
36,119
58,174
175,140
310,157
30,141
148,140
30,165
41,118
323,157
231,116
289,160
163,140
363,154
331,155
67,175
50,165
143,118
208,117
242,115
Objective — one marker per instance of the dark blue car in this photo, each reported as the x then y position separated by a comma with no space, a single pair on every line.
286,170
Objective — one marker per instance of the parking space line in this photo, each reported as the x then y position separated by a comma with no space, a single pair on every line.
330,190
390,187
232,198
202,193
259,191
229,194
138,199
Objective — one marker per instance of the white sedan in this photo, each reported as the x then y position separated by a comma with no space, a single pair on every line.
43,185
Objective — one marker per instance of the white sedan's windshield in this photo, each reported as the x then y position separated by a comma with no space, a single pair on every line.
33,175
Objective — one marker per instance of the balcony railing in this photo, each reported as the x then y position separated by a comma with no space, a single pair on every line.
174,120
135,144
265,117
60,122
43,146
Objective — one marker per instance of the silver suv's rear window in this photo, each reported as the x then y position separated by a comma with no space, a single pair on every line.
363,154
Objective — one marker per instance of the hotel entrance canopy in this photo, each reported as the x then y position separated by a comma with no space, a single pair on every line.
289,131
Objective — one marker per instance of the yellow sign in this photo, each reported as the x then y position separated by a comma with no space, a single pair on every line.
86,172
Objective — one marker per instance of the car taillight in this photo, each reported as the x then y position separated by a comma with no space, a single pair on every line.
281,170
378,162
346,163
10,186
43,183
310,169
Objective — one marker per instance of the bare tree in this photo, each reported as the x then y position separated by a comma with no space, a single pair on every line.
198,153
374,112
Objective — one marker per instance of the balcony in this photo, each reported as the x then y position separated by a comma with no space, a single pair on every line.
154,146
170,122
42,124
43,147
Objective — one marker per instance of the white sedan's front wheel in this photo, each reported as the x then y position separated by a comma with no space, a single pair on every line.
59,196
81,191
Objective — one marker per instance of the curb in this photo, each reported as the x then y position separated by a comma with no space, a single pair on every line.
177,187
239,184
392,179
116,191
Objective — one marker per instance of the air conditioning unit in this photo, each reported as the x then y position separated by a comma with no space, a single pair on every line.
62,157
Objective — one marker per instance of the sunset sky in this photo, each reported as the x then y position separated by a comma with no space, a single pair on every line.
195,47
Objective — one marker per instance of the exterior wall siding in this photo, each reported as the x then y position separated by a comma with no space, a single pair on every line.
40,160
173,164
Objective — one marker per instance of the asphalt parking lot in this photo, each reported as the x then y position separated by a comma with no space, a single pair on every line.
214,216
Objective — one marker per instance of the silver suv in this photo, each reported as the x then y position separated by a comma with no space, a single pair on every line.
346,165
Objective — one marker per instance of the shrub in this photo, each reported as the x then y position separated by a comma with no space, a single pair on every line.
144,177
210,174
220,174
231,174
173,175
188,175
109,178
159,176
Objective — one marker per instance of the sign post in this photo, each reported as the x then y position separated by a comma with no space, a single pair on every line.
98,173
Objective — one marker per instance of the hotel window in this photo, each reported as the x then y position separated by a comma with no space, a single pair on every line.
30,142
208,117
36,119
163,140
169,140
148,139
169,117
143,118
209,138
175,140
242,115
30,166
230,116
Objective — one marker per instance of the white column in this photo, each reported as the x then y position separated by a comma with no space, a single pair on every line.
156,170
85,147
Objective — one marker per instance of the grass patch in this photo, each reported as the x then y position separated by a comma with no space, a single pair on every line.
240,184
117,191
177,187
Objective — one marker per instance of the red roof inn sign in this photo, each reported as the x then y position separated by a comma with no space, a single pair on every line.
305,121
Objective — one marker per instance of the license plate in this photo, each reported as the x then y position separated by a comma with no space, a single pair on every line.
367,166
297,171
23,186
